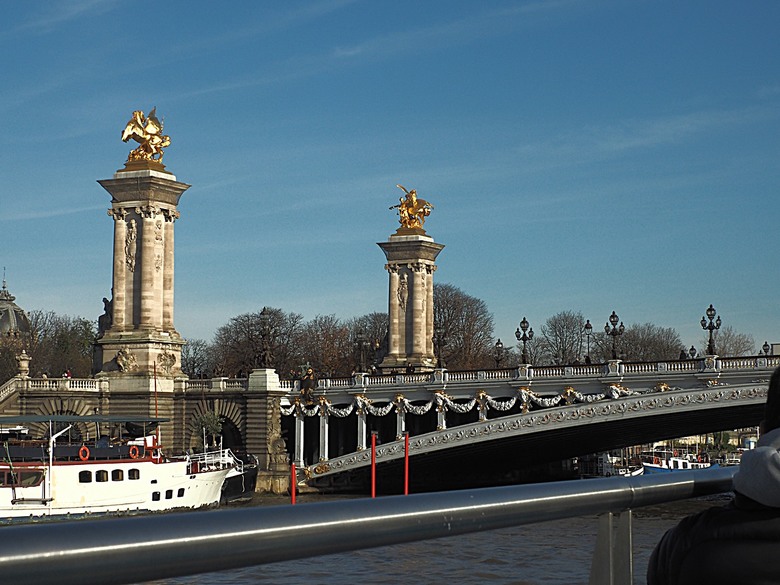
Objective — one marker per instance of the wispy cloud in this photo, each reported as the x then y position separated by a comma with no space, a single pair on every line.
13,215
435,37
57,14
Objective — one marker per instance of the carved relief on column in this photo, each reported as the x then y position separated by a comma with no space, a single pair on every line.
131,245
403,291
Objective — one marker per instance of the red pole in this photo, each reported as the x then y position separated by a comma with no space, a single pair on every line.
373,464
293,483
406,464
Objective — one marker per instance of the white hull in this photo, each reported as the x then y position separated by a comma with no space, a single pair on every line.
114,486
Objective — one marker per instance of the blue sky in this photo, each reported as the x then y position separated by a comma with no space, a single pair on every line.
581,155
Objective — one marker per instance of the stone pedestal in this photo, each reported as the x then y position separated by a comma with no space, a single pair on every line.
264,431
411,256
137,335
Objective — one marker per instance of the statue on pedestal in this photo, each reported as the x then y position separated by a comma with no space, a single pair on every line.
147,131
411,210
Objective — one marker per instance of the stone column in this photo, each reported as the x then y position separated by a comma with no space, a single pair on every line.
393,341
430,269
148,286
411,257
361,429
299,437
418,343
168,264
324,443
120,268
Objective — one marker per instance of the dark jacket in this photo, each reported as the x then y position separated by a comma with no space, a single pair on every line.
738,544
735,544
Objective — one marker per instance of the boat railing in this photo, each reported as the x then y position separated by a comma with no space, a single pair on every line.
216,459
189,543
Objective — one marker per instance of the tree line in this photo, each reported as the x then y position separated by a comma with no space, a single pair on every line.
336,347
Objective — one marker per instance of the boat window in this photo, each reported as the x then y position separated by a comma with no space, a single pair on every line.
168,494
85,477
133,474
117,475
101,475
21,478
181,492
155,496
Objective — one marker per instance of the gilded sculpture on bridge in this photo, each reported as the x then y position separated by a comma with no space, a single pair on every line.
412,211
147,132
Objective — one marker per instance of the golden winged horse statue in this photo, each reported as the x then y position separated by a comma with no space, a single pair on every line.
412,211
147,132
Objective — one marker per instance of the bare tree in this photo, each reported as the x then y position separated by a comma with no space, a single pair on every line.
467,326
325,344
238,344
60,343
368,334
730,343
561,338
648,342
196,358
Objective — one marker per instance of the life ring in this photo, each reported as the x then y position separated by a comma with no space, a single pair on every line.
84,453
656,461
134,452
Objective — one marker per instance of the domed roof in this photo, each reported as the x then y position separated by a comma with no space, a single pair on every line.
13,320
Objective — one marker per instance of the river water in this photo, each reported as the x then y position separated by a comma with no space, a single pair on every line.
550,553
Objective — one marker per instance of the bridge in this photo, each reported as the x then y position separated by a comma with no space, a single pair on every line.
463,424
473,424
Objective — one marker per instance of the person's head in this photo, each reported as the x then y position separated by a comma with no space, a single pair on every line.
772,409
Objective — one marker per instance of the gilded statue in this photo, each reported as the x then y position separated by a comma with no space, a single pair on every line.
412,211
147,132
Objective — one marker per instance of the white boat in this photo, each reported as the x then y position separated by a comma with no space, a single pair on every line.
607,465
67,473
667,460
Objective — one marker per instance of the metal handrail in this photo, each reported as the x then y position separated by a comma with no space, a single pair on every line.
143,548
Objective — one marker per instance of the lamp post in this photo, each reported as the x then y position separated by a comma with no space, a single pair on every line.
439,341
692,352
498,352
588,332
265,358
766,347
611,328
710,327
524,335
362,344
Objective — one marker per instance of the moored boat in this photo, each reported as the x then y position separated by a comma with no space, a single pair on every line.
608,465
667,460
65,472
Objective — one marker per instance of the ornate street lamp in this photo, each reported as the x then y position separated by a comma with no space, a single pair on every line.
265,358
692,352
614,331
498,352
710,327
439,341
588,332
361,342
524,335
766,347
